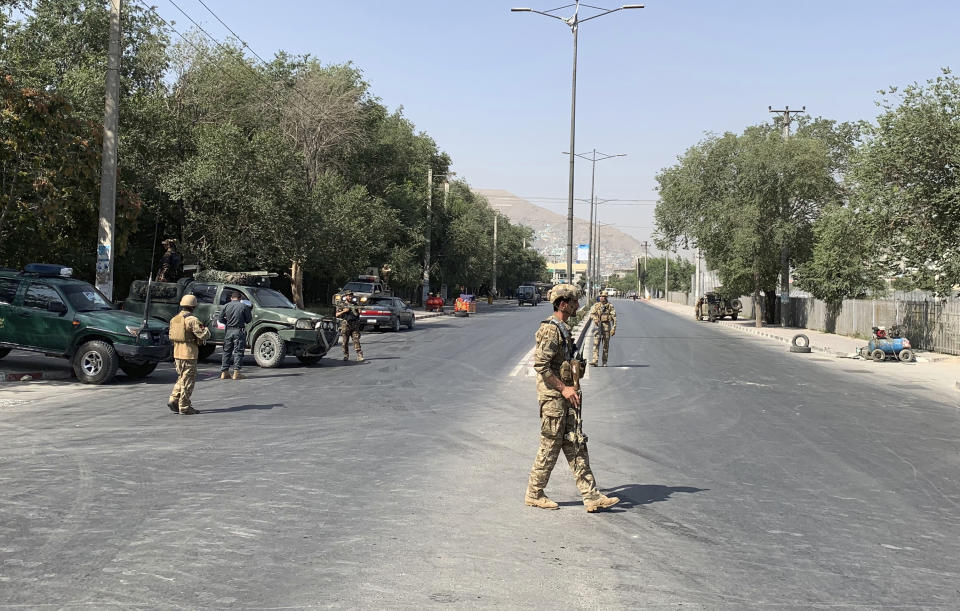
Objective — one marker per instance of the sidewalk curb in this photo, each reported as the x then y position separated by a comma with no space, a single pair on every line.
31,376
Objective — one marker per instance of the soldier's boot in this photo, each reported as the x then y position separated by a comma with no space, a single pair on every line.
360,357
174,405
188,412
602,502
541,501
346,357
237,375
593,363
224,375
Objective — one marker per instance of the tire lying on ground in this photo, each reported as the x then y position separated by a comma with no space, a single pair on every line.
800,349
800,340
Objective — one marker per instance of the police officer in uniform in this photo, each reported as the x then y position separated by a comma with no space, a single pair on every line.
558,391
604,318
235,317
349,315
187,333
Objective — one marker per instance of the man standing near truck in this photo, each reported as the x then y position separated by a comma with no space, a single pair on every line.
235,317
186,333
349,325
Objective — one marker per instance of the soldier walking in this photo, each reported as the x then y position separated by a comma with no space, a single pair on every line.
235,317
604,317
347,312
187,334
558,374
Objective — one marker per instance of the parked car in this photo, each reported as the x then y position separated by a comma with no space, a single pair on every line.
387,312
277,328
43,309
527,294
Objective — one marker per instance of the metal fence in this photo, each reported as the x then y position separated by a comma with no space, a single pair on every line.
930,323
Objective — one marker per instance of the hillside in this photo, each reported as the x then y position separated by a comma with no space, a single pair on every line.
617,249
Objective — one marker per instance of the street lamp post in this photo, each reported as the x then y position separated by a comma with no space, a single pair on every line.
593,159
426,251
574,23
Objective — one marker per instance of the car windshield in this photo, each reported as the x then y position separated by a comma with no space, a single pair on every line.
383,301
85,298
359,287
269,298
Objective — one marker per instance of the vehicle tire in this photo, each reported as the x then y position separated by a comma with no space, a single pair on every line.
205,351
800,349
906,355
269,350
736,305
733,316
4,352
800,340
878,355
96,362
136,371
413,319
395,324
309,359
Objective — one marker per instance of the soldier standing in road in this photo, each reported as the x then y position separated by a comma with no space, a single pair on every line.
604,317
170,264
558,372
347,312
186,333
235,317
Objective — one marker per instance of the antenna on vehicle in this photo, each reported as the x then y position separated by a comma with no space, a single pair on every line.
153,257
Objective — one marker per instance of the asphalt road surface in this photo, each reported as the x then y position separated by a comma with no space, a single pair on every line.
751,478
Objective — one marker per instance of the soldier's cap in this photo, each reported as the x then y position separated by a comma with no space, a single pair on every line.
188,301
563,291
347,292
168,241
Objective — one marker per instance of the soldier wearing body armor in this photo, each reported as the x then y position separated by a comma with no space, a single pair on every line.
558,390
605,326
171,263
187,334
349,314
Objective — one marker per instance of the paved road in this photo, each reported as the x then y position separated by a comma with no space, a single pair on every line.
751,478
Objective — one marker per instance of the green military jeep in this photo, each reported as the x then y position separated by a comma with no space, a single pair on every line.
277,328
43,309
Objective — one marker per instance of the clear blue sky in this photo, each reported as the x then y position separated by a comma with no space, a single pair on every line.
493,87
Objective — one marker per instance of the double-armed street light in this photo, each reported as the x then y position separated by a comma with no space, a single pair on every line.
593,159
574,23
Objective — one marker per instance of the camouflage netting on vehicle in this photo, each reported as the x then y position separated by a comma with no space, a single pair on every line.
160,292
241,278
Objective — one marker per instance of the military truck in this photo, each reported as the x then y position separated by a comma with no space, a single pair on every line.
277,328
44,309
364,287
714,306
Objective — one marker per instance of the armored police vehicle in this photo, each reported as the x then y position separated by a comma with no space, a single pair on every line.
44,309
277,329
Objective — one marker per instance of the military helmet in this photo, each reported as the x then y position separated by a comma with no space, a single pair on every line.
347,292
189,301
563,291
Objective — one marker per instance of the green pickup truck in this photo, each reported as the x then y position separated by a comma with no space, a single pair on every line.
277,328
43,309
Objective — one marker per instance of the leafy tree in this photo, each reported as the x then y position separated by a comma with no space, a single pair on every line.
907,183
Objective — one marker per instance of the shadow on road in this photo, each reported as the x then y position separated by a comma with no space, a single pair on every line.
632,495
240,408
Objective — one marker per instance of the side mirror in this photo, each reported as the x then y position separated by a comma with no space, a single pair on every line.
56,306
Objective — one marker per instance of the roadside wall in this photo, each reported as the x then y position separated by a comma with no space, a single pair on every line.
930,323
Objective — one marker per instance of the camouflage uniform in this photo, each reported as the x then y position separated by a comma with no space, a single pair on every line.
560,422
186,333
170,263
604,318
349,315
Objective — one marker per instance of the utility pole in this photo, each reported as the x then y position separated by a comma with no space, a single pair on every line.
787,115
108,173
645,248
426,251
493,280
666,275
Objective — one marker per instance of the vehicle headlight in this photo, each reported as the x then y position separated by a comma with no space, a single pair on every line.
133,330
304,323
363,300
145,336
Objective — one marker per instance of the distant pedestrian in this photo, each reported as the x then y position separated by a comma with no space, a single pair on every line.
349,315
235,317
187,334
604,318
558,390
